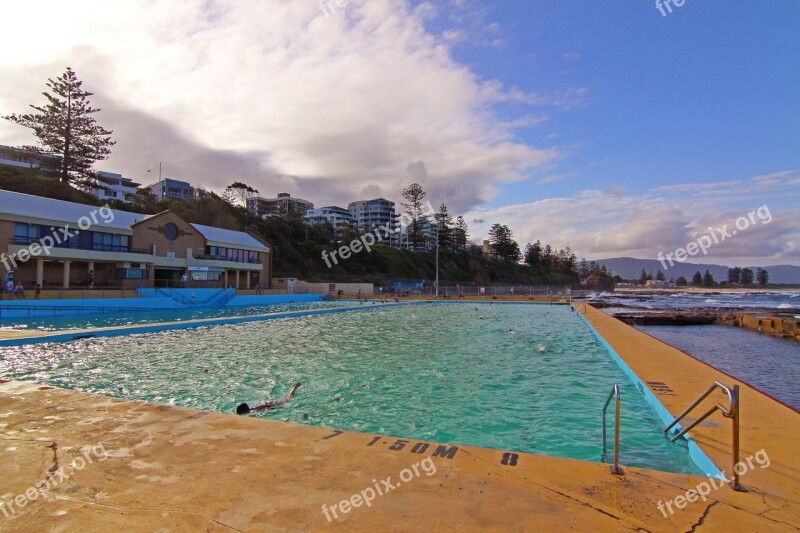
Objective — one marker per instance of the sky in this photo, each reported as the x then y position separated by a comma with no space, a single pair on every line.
614,128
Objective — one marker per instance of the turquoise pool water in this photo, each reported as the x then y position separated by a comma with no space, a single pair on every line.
129,318
439,372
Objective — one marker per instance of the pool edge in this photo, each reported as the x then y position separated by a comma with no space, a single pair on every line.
157,449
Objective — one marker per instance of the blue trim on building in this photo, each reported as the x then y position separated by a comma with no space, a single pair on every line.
150,301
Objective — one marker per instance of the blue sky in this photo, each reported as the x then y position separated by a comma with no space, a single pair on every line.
707,93
602,126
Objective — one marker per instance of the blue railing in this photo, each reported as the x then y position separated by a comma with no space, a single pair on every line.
220,298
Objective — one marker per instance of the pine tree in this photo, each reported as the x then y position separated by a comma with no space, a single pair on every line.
502,243
414,195
697,279
238,193
229,196
583,268
547,256
444,227
534,254
460,235
708,279
66,127
762,276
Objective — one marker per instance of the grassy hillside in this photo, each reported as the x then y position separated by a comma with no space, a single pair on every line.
32,181
298,248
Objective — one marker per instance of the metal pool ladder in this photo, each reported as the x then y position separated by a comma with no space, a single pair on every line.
732,412
615,468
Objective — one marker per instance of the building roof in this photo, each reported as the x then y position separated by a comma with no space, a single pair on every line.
63,212
224,237
170,181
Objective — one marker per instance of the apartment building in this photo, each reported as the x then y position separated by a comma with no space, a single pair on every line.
282,205
370,214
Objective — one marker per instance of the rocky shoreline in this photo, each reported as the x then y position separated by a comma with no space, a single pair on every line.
777,322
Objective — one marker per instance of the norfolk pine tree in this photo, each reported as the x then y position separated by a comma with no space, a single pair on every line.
67,128
414,194
444,228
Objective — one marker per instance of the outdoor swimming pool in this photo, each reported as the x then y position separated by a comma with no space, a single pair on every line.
439,372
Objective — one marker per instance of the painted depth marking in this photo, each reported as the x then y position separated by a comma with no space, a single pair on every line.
661,388
441,450
509,459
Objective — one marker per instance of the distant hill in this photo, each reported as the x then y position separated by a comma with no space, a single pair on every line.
631,268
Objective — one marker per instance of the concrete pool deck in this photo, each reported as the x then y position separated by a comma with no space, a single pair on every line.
176,469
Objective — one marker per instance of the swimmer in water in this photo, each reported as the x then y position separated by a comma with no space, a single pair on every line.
243,408
541,348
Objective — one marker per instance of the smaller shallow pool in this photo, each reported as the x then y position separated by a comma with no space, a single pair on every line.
130,318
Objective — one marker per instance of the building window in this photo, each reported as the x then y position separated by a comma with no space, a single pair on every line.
204,275
131,273
171,231
25,233
108,242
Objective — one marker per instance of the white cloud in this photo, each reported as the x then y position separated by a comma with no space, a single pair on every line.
599,224
323,106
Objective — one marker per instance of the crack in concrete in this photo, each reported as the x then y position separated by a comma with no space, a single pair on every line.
702,518
564,495
55,456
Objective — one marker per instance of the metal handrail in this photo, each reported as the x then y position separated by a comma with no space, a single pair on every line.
221,297
615,468
582,307
732,412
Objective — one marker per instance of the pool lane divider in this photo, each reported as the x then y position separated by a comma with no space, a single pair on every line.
186,324
695,452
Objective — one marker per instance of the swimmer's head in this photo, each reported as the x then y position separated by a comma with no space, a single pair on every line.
242,409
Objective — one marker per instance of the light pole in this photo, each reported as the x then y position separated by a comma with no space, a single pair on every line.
160,183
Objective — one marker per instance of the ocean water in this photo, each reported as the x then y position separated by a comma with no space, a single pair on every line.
690,300
453,373
768,363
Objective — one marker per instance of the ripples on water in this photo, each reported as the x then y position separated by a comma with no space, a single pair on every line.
767,363
437,372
